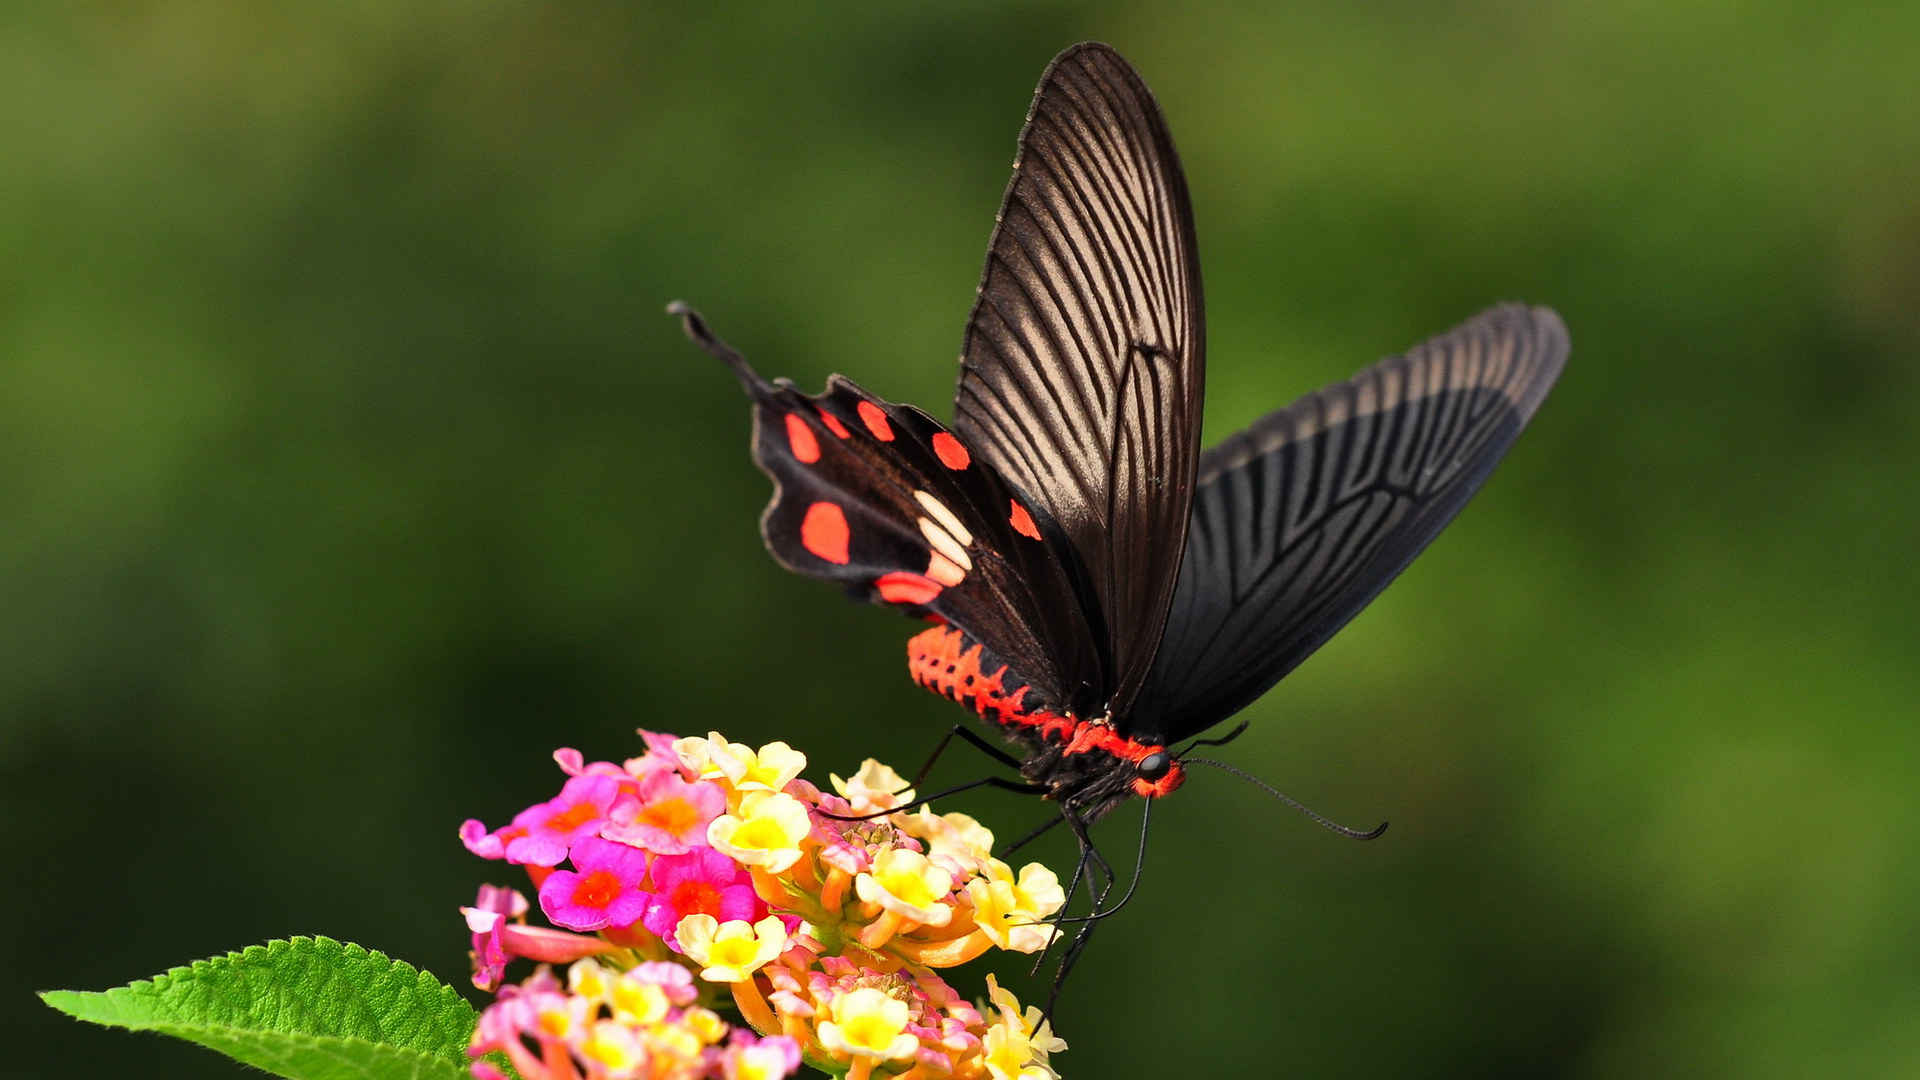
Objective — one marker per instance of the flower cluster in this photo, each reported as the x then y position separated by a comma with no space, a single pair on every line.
706,874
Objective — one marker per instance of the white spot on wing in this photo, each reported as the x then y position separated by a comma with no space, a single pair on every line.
938,510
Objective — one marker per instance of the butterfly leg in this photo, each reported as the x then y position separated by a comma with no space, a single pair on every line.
1073,889
1139,863
1046,827
1089,855
971,736
1090,852
1018,787
1078,946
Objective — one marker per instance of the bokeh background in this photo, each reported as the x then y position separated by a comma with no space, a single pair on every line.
348,466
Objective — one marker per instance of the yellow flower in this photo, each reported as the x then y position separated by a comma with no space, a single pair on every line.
730,952
1018,1045
1031,1024
874,787
771,768
953,836
587,979
614,1048
637,1002
704,757
705,1024
755,1063
1010,1057
564,1019
765,831
867,1023
1012,912
906,884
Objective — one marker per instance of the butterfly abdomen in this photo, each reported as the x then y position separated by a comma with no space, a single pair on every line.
1064,748
949,663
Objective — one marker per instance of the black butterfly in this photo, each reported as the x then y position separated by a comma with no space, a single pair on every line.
1103,589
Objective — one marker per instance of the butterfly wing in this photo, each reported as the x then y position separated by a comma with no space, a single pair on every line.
1081,371
885,501
1304,517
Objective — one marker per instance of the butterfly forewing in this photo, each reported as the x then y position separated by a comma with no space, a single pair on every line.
883,500
1082,366
1304,517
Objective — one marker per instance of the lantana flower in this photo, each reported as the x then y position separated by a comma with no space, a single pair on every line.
869,1027
603,891
730,952
765,831
700,882
1012,910
1017,1047
542,834
705,875
667,815
908,888
875,787
500,935
769,768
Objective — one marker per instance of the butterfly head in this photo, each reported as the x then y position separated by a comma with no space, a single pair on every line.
1095,768
1157,774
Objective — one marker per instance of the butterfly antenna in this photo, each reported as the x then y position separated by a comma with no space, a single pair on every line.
703,336
1223,740
1319,819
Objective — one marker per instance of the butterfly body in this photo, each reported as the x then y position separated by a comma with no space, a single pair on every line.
1085,763
1101,588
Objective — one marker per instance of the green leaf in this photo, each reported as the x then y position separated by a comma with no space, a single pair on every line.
307,1009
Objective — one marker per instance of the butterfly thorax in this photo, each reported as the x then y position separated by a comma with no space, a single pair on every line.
1085,763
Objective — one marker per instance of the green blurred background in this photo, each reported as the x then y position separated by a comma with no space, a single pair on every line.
349,466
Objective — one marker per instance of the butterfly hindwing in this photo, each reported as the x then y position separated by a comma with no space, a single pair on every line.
885,501
1304,517
1082,365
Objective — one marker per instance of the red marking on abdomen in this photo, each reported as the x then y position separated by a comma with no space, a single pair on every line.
834,425
800,437
952,454
1022,522
901,587
943,661
876,421
824,532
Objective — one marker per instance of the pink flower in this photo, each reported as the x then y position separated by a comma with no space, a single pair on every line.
700,882
551,828
603,890
659,755
673,980
491,912
669,816
488,845
750,1058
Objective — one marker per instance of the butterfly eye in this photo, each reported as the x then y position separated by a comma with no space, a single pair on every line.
1154,766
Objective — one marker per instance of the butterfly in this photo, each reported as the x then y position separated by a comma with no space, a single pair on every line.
1100,588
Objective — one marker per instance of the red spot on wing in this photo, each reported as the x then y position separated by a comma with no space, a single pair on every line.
834,425
876,421
800,437
952,454
902,587
824,532
1022,521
